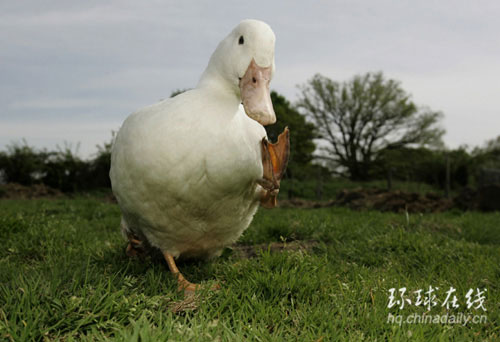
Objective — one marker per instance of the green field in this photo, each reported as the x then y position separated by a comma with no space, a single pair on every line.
64,276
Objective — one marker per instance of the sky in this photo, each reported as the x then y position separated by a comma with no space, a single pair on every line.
72,71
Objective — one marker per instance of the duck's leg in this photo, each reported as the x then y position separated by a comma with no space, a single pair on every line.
183,284
274,161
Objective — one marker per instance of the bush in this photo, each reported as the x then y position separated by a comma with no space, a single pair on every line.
100,165
426,166
65,171
61,169
22,164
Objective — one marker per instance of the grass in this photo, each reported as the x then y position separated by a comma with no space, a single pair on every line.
64,277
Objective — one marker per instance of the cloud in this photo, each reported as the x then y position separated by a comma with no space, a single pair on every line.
41,134
89,64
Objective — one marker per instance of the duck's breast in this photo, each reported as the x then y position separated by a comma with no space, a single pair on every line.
178,171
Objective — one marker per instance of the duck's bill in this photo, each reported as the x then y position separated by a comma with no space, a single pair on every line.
254,87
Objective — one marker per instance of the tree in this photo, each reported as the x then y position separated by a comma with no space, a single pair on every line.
302,135
359,118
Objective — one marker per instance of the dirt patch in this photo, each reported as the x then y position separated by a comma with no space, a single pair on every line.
18,191
245,251
378,199
395,201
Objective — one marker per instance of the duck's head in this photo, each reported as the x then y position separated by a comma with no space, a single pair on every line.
245,60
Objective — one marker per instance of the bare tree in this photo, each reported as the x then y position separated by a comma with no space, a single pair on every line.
359,118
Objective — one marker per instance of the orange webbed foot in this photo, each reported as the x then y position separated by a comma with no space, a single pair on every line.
182,283
274,162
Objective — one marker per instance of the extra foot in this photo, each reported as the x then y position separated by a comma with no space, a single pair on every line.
182,283
274,161
135,246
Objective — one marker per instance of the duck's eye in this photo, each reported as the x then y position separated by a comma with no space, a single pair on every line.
241,41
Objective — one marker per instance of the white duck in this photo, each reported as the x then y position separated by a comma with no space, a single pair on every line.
189,172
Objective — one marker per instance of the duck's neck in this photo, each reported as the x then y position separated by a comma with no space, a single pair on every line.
220,88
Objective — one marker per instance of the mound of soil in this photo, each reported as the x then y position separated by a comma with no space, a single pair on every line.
395,201
485,198
15,191
378,199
